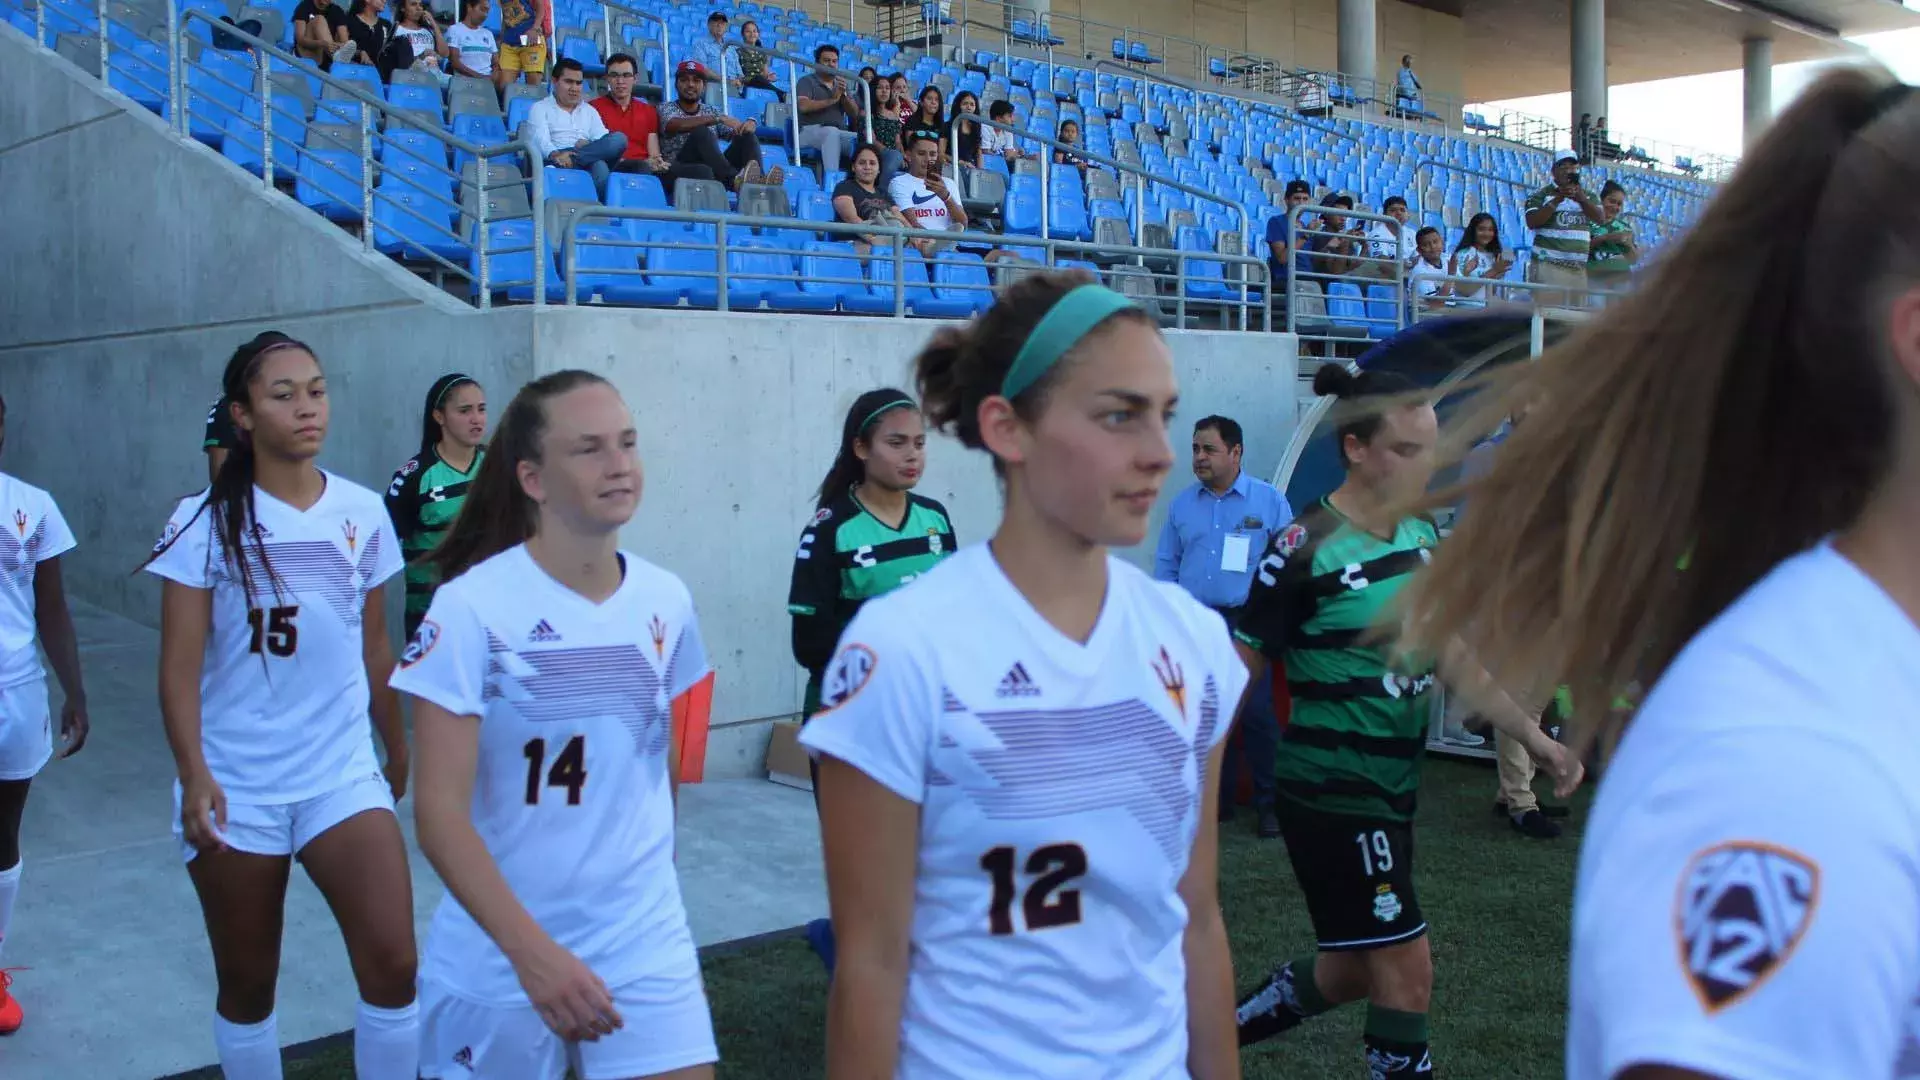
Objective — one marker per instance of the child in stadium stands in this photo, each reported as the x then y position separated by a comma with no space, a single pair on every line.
1747,904
273,657
869,534
33,605
422,32
1610,260
997,143
1070,134
547,681
1349,761
903,102
1478,255
1020,752
755,63
427,492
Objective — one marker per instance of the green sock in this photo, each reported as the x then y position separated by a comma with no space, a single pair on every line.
1396,1043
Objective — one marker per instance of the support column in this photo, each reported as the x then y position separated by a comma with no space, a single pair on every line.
1359,39
1758,86
1589,67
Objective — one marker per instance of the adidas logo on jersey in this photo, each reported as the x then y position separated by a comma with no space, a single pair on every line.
1743,908
1018,683
463,1057
543,631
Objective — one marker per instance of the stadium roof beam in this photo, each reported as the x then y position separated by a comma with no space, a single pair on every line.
1524,47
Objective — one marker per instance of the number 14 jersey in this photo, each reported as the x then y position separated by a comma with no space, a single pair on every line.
1059,787
571,796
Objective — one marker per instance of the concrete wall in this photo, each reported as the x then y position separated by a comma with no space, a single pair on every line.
120,316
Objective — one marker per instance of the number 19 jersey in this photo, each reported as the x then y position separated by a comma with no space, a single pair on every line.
574,701
283,684
1059,786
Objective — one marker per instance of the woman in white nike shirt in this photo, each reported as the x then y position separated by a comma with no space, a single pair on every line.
273,656
547,678
1019,750
1748,904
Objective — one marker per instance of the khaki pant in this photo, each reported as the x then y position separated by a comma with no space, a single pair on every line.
1573,279
1516,770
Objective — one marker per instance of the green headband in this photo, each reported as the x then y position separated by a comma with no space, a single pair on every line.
875,414
1073,318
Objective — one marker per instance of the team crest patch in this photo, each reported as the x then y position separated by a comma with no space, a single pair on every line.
424,639
1292,539
412,466
933,541
1386,905
1173,679
657,629
1742,907
20,522
352,532
820,517
166,537
847,676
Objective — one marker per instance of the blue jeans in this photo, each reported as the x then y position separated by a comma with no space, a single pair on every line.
597,157
1257,741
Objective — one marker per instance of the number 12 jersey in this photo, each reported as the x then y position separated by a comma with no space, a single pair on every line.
1059,786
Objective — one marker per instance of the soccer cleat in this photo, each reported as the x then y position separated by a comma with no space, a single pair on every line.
10,1012
1534,824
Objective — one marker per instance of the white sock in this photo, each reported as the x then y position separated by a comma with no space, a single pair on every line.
247,1051
9,888
386,1042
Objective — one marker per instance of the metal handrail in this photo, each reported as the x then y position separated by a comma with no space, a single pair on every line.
1296,229
1254,268
1277,111
264,52
1518,185
606,35
1503,286
794,63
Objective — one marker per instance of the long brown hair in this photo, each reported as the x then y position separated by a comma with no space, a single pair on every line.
1731,412
497,513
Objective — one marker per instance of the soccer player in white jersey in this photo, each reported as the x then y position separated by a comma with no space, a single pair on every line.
1748,901
273,656
1020,750
33,603
547,679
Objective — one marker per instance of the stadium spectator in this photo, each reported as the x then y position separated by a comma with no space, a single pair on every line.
995,142
711,51
374,41
523,41
1390,242
1406,89
1610,260
1478,254
928,117
567,132
421,31
755,69
636,119
472,44
320,33
966,107
921,194
1331,250
903,97
1583,139
1070,134
688,136
828,109
1561,216
1299,193
886,127
1427,284
1215,533
859,200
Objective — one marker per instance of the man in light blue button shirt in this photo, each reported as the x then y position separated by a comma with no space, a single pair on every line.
1216,533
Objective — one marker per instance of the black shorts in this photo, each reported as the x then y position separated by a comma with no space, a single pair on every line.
1356,874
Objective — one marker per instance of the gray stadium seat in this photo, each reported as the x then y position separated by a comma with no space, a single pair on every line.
1028,166
472,97
83,50
1144,132
764,200
1113,232
518,90
700,195
334,137
985,188
507,197
414,77
562,213
1175,147
779,116
1102,184
1178,219
1007,272
288,87
273,25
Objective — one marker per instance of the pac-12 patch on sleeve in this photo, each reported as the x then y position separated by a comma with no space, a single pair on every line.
422,643
847,675
1741,909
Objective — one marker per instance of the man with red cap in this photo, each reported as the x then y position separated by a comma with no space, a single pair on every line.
688,132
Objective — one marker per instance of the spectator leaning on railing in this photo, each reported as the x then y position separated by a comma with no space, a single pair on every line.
567,132
1561,216
630,116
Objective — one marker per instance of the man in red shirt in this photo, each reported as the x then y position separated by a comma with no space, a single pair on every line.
640,123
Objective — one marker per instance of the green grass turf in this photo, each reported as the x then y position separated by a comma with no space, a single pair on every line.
1498,904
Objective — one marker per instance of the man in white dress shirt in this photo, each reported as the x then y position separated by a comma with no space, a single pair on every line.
567,132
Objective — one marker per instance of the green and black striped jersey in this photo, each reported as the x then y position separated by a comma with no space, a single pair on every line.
424,498
847,557
1360,710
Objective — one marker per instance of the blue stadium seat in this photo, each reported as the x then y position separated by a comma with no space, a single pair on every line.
1020,213
517,111
570,184
505,266
1383,309
399,146
1345,307
401,171
1067,218
329,181
670,279
424,99
139,73
814,206
402,234
962,277
595,258
242,144
585,51
821,262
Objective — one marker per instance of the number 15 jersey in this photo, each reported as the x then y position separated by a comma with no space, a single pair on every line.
1059,787
571,796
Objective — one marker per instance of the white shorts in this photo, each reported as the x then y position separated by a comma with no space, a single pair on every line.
285,828
26,730
667,1027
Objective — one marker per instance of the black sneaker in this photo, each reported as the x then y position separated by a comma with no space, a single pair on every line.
1226,813
1534,824
1269,823
1554,811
